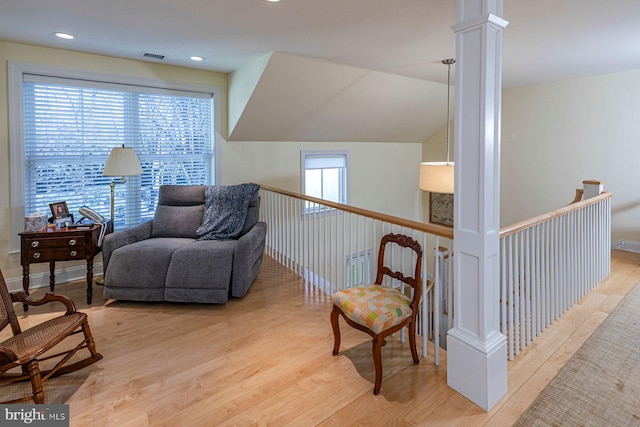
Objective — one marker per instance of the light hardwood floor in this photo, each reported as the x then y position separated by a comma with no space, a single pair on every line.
266,359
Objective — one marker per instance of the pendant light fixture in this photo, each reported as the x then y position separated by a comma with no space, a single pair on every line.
437,177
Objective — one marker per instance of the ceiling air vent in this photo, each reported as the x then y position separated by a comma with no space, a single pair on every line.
150,55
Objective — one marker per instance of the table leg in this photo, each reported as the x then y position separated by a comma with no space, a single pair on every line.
25,284
52,276
89,280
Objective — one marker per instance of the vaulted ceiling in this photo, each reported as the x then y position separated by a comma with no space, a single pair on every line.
305,99
334,70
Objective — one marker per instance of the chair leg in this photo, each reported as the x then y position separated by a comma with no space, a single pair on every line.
91,345
36,382
377,363
335,312
412,342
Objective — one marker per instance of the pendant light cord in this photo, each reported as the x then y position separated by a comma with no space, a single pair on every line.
448,63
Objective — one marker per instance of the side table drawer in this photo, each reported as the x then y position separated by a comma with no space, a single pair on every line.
56,242
51,246
56,254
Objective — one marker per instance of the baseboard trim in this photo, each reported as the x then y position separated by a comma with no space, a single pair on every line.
41,280
624,245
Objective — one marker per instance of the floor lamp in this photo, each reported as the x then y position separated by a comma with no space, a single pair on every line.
122,162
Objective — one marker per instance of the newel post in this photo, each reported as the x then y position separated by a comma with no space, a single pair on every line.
592,188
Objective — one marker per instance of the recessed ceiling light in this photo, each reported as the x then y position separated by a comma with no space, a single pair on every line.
65,36
197,58
273,1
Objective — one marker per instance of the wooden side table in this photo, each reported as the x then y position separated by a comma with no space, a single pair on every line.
60,245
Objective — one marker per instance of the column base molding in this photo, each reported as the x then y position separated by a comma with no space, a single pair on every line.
475,369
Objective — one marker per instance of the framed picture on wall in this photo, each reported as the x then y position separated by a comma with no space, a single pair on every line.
441,209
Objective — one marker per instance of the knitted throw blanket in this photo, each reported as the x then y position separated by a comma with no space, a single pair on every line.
225,211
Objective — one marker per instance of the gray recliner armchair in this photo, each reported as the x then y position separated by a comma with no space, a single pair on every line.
163,260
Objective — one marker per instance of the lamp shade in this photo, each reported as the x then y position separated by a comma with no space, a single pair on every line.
436,177
122,162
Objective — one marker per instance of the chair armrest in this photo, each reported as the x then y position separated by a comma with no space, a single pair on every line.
22,297
247,259
118,239
7,356
251,241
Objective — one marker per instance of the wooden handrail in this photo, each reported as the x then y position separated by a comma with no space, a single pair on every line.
578,196
437,230
530,222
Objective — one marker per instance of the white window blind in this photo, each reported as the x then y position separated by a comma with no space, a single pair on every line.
70,127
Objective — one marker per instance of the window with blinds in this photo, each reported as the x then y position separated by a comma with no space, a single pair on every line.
325,176
70,127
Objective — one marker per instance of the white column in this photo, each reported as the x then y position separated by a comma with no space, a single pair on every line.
476,350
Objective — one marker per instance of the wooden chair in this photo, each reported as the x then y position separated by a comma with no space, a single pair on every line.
21,354
381,310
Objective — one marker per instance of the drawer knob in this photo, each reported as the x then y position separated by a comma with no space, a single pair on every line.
72,242
36,255
73,253
35,244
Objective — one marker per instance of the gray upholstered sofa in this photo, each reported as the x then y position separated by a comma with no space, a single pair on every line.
162,260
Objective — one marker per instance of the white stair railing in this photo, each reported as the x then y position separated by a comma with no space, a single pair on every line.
334,246
548,263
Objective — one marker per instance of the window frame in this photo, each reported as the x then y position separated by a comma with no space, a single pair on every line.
325,153
16,72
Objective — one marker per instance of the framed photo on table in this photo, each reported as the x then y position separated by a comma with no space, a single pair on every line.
63,222
59,210
441,209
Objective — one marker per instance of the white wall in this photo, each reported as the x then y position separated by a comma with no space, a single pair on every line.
556,135
384,176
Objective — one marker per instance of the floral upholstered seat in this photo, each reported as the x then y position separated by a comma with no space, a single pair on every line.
374,306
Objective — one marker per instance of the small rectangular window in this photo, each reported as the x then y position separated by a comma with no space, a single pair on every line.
325,175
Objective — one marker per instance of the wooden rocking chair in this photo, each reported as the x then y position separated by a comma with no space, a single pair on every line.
25,350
